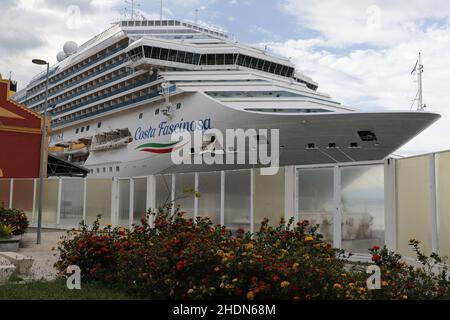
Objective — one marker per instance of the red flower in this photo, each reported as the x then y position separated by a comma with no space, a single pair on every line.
376,257
276,278
375,248
181,265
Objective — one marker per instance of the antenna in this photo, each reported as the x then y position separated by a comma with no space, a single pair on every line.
196,16
418,69
134,11
161,11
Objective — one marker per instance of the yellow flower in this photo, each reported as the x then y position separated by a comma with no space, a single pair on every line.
405,297
109,225
295,265
216,269
384,283
190,291
220,253
249,246
309,238
222,285
337,286
284,284
250,295
235,280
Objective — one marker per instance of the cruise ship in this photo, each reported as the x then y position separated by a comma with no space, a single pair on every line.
115,100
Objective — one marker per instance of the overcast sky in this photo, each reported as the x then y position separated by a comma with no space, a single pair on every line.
361,52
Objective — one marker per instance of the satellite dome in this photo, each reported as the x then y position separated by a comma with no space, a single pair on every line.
61,56
70,48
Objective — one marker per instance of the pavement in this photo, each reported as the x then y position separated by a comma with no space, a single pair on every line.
43,255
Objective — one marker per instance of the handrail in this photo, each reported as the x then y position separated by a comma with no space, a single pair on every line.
122,104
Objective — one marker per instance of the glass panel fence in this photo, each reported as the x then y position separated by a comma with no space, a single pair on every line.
140,200
50,201
4,193
184,196
124,202
163,190
237,200
268,198
316,199
362,207
209,200
72,202
98,200
23,193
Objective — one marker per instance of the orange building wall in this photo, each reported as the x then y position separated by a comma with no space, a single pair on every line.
20,138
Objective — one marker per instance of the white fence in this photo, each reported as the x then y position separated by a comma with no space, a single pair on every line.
357,205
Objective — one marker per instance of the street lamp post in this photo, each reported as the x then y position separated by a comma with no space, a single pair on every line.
43,148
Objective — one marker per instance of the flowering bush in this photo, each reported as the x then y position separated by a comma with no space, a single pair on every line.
14,218
180,258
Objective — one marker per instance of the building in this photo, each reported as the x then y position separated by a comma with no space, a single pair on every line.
20,136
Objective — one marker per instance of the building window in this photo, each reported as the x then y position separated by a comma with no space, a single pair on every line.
98,170
78,130
87,128
99,125
157,112
110,169
82,129
141,115
104,170
117,169
178,106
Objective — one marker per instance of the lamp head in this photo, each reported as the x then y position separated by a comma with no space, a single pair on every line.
39,62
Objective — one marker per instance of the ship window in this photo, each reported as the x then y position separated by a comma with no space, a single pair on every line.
141,115
99,125
178,106
78,130
157,112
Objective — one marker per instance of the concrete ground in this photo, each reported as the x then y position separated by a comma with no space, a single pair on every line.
44,256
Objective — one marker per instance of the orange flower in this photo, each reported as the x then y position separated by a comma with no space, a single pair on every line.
250,295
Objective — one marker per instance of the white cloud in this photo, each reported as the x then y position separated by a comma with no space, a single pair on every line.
39,28
376,76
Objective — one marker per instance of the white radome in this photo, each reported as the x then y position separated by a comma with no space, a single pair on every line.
70,48
61,56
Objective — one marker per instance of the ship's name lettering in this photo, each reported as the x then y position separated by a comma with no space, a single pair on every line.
165,129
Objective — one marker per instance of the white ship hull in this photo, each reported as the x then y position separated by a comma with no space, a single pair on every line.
393,129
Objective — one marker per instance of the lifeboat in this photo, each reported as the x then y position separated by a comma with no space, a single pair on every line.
111,140
71,148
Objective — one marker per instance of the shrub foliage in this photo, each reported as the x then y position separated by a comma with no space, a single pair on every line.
178,258
14,218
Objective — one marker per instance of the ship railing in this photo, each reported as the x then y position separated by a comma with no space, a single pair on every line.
90,88
116,106
72,84
104,96
52,80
